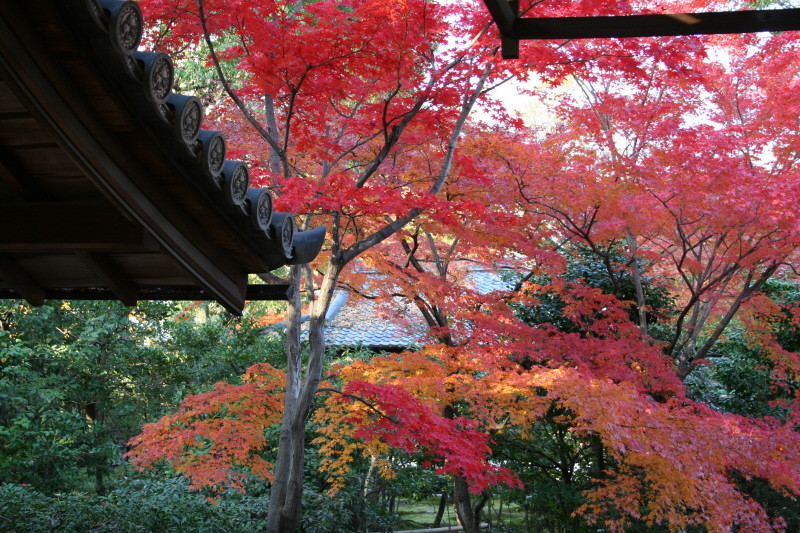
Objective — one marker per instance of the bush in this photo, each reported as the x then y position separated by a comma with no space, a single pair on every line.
135,506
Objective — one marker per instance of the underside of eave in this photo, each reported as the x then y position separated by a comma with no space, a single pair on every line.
52,58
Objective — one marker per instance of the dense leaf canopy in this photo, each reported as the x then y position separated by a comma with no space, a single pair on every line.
643,214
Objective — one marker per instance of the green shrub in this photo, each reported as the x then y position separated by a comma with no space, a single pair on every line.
135,506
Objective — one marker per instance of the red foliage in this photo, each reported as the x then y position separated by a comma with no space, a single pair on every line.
682,160
453,446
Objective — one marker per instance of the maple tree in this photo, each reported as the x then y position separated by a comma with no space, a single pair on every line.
724,240
215,432
648,441
338,120
716,181
361,131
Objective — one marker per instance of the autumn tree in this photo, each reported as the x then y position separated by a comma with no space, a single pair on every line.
330,128
361,129
651,190
689,174
646,439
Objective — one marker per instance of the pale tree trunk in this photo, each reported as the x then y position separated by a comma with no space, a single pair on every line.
469,514
636,274
285,505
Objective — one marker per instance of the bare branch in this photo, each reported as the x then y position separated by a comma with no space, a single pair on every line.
361,400
229,90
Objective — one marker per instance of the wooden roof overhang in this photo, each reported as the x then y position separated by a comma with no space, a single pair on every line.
109,189
514,28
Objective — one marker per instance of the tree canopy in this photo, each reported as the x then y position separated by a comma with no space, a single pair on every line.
639,370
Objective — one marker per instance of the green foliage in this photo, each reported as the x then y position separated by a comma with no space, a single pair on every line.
766,4
220,348
737,381
555,467
586,267
775,503
364,504
78,380
740,377
785,292
193,69
134,506
350,510
75,381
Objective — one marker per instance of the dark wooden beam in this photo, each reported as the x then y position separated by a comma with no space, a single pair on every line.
509,45
657,25
49,226
24,286
15,182
503,16
116,281
254,293
530,28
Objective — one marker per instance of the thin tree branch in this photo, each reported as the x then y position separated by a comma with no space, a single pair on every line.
229,90
362,400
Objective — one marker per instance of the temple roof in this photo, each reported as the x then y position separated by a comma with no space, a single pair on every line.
392,325
109,186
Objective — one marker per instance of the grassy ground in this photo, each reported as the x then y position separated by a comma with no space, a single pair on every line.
420,514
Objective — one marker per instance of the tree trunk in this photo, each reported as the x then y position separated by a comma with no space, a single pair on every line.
440,511
636,273
285,504
599,457
469,515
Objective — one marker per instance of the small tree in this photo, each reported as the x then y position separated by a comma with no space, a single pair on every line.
358,129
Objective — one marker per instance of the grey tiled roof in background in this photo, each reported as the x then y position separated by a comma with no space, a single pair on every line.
486,281
386,325
389,325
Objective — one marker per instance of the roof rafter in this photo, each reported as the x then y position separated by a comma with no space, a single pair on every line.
46,226
115,280
24,286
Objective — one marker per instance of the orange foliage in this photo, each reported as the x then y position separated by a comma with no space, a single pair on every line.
216,439
674,459
373,419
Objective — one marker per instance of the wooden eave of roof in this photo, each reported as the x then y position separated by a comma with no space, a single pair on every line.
514,28
99,196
